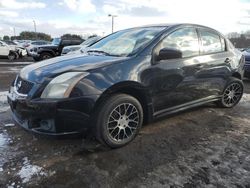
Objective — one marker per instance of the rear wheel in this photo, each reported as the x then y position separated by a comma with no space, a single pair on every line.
232,93
119,120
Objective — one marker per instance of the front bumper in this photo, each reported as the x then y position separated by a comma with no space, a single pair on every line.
34,54
53,117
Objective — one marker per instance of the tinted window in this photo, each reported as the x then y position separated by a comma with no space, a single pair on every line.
211,42
185,40
56,41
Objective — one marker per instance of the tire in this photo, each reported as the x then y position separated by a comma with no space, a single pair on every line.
45,55
12,56
118,120
232,93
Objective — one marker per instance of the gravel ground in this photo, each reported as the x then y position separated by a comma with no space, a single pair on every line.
202,147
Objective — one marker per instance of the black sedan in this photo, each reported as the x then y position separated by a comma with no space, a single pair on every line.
126,79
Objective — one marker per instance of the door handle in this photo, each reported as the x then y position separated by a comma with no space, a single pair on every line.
227,60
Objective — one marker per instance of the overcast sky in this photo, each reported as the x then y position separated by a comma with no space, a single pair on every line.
57,17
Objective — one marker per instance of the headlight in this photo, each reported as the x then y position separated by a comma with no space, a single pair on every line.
61,86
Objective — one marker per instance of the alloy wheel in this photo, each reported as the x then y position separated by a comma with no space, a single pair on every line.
123,122
232,94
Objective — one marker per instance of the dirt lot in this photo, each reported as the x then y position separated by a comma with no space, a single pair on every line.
202,147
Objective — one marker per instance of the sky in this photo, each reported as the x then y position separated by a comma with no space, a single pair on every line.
85,17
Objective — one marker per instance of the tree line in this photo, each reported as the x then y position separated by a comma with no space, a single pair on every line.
29,35
241,42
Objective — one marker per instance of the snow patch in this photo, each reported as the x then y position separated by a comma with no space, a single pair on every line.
3,96
3,144
245,100
28,171
3,101
3,140
9,125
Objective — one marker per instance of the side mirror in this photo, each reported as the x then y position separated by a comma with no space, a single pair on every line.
169,53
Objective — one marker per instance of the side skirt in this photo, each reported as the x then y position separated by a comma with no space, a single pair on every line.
185,106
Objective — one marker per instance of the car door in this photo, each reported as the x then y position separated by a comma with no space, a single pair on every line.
176,83
4,50
215,60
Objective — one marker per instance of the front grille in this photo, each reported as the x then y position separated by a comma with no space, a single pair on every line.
22,86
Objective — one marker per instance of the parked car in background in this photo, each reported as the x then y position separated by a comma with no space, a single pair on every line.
33,44
75,49
20,51
54,49
6,51
247,62
129,77
22,43
11,44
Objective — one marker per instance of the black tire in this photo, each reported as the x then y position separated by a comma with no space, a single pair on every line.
232,93
126,124
12,56
45,55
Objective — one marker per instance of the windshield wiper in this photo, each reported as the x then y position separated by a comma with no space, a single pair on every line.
101,52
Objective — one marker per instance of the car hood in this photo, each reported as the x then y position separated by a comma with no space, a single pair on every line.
47,46
50,68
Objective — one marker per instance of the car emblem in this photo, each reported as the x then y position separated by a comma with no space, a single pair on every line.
19,84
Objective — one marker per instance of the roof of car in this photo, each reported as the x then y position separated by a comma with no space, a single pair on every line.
173,24
168,25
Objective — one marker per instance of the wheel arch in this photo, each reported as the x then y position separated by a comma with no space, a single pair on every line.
237,75
48,51
133,89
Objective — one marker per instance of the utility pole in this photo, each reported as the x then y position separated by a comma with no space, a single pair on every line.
14,30
112,17
35,27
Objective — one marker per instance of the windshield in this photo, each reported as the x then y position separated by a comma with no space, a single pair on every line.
126,42
56,41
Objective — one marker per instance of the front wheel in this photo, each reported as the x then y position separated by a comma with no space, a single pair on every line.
45,55
119,120
11,56
232,94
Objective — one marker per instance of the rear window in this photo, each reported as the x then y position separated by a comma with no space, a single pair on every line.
211,42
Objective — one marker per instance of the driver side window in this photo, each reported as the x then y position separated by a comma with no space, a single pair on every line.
185,40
